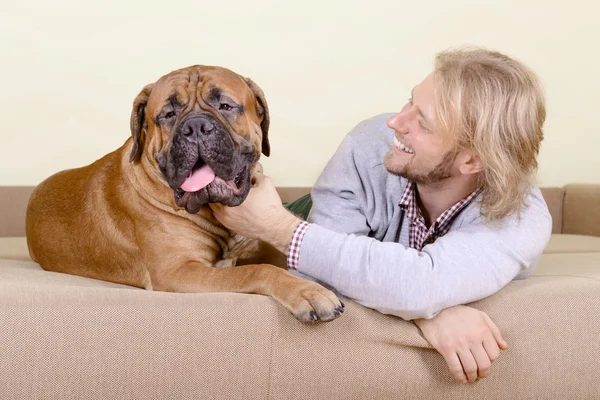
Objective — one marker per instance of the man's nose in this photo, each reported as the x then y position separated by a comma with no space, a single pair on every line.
399,121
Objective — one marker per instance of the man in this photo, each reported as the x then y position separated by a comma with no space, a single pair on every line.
434,210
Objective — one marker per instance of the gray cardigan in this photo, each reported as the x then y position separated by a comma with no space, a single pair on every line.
358,242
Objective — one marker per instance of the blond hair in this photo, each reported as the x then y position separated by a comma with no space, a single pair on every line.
493,105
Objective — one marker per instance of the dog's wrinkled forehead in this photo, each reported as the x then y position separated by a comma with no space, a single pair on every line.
201,88
237,105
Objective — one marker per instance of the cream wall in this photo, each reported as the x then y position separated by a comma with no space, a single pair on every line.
71,68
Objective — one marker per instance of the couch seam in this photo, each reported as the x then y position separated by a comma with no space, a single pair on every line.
570,276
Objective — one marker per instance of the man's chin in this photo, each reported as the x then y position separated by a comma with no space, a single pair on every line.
404,171
393,166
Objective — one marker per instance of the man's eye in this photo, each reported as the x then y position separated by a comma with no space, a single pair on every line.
169,115
225,106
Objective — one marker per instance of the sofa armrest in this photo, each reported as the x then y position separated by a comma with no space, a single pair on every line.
581,209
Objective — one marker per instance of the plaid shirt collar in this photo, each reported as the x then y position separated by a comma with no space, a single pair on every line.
418,232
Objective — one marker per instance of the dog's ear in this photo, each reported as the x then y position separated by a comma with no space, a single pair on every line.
263,111
138,121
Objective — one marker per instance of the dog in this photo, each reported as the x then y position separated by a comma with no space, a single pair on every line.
139,216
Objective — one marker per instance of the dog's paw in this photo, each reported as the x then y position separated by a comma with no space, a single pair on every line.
311,302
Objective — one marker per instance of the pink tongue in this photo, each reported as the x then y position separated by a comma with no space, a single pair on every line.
198,179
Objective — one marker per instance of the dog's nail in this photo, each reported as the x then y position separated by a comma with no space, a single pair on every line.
343,305
313,316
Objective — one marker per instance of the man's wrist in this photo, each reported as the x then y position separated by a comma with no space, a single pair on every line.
280,234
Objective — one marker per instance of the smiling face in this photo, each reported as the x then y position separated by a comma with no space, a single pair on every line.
420,153
205,129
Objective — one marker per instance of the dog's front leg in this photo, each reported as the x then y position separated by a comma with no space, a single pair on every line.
306,300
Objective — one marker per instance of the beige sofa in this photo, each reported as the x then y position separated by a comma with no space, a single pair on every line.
67,337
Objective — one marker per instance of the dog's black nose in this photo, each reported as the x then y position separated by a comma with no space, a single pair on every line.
197,125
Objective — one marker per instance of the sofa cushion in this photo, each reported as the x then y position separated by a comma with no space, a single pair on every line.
569,264
65,338
28,273
565,243
14,248
76,338
131,343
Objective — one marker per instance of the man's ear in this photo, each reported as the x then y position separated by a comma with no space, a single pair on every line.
138,121
470,163
262,110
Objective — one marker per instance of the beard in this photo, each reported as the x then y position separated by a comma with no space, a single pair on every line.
438,173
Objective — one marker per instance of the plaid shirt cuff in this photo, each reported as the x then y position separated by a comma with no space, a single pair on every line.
294,250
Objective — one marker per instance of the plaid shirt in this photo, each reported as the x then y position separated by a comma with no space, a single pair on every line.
294,249
418,234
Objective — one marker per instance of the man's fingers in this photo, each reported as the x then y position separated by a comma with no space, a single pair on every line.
217,210
456,368
468,363
258,169
215,206
482,359
491,348
496,332
256,178
259,178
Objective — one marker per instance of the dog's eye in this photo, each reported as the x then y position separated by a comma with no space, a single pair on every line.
225,106
169,115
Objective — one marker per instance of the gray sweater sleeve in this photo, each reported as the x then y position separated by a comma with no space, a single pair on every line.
471,262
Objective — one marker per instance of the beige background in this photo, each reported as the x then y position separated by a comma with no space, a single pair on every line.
71,68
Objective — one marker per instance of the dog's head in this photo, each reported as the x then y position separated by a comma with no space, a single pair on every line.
204,129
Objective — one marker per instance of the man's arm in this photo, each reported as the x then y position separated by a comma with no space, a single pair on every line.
461,267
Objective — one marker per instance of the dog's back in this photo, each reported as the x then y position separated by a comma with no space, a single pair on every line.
72,201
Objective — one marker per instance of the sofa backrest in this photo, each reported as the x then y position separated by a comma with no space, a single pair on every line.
554,197
13,204
570,207
581,209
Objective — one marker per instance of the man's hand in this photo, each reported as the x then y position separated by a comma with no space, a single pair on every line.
261,216
468,340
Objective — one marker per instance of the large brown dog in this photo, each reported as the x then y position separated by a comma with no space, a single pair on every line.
139,215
